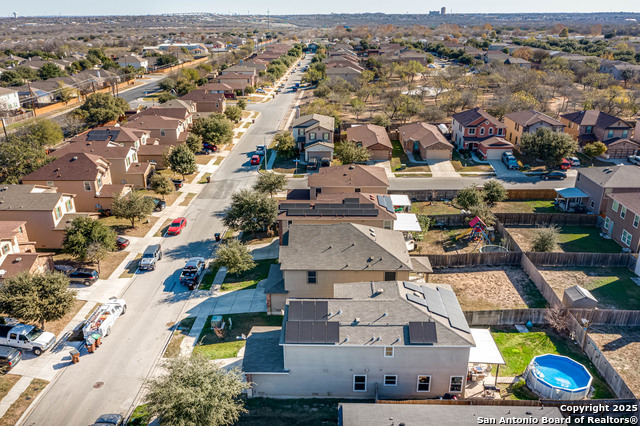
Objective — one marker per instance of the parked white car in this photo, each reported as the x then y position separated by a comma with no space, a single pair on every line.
634,159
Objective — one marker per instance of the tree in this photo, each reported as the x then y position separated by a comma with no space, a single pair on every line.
36,298
482,211
557,319
167,84
271,183
85,231
469,197
234,256
381,120
594,149
564,32
251,211
549,146
233,113
357,107
162,185
100,108
182,160
184,86
196,391
131,207
96,252
348,152
215,129
165,97
285,145
46,132
432,114
546,239
494,192
194,142
50,70
242,104
23,155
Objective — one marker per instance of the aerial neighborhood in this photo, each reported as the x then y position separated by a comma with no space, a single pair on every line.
345,219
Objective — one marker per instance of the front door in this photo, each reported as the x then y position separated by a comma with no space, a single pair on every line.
416,147
608,225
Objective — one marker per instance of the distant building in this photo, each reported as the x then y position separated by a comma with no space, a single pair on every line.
434,12
443,10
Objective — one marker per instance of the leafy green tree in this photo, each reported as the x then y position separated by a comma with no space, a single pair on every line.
215,129
46,132
194,142
381,120
348,152
85,231
165,97
162,185
182,160
594,149
469,197
36,298
357,107
549,146
184,86
494,192
546,239
271,183
564,32
233,113
285,145
96,252
482,211
234,256
50,70
196,391
167,84
100,108
242,104
22,155
251,211
249,90
133,206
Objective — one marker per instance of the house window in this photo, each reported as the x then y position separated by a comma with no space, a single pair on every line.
472,131
607,222
610,134
636,220
592,204
614,206
359,383
87,185
312,136
99,182
358,190
49,183
424,383
500,131
389,276
58,213
481,131
325,136
386,224
625,133
517,127
391,380
589,130
162,132
626,237
312,277
455,384
388,351
5,249
68,206
490,130
623,212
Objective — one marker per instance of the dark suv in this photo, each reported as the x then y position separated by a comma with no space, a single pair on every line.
192,272
9,357
84,276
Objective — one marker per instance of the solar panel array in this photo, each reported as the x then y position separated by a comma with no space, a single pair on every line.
456,317
440,301
350,207
307,323
385,201
308,310
102,135
423,332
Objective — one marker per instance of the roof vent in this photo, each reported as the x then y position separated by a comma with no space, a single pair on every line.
339,312
385,314
17,259
377,338
370,259
351,167
356,320
75,157
380,291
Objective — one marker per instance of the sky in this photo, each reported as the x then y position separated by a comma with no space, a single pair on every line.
282,7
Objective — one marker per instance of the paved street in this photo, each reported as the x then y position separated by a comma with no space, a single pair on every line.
109,380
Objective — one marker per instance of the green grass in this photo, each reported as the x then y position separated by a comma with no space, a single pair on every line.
518,349
613,286
461,164
207,280
173,348
285,412
214,347
204,177
530,206
248,279
187,200
218,161
132,267
433,208
585,239
140,416
398,156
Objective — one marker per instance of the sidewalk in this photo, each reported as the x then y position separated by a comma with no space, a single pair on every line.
13,394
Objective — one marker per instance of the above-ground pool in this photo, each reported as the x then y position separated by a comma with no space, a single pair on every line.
558,377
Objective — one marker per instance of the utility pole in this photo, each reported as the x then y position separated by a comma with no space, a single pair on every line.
268,21
4,127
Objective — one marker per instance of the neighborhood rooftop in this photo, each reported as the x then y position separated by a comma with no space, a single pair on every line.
349,175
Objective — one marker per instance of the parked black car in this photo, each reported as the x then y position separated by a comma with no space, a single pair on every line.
312,164
325,162
110,420
158,204
9,357
557,175
178,183
84,276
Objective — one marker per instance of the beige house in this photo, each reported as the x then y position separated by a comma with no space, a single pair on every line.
167,130
311,128
350,178
594,125
372,137
316,256
87,176
45,211
387,340
206,101
425,140
348,73
17,253
528,121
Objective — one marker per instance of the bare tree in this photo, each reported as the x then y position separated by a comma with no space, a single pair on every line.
558,319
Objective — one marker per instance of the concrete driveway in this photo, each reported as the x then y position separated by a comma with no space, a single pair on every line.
502,171
442,168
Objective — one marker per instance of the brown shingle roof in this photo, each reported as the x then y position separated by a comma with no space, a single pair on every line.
147,122
203,96
496,142
427,134
467,117
369,135
110,133
217,86
74,166
530,116
9,228
352,175
104,149
592,117
177,113
16,263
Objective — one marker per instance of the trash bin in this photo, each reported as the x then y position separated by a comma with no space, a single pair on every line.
75,356
217,237
90,344
98,339
208,179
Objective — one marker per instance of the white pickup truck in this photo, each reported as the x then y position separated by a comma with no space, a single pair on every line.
103,318
26,337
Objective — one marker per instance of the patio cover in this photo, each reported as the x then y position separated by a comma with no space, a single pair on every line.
571,193
406,222
486,351
400,200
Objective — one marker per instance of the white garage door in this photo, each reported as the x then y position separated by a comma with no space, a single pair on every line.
496,154
438,154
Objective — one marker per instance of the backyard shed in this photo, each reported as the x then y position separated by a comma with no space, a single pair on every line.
400,202
579,297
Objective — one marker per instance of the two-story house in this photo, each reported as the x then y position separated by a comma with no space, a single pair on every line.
238,82
425,140
349,178
86,175
622,219
374,138
388,340
167,130
131,59
348,73
45,211
9,100
313,257
528,121
206,101
18,253
473,126
600,182
308,129
594,125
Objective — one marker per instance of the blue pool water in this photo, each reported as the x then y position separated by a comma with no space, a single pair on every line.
561,372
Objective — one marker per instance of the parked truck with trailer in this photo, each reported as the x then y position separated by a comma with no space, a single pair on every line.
103,318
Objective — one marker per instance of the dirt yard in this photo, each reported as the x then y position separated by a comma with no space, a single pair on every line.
443,241
621,346
486,288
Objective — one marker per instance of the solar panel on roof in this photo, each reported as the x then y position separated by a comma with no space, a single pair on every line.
370,213
415,299
295,310
333,332
308,311
306,332
319,332
385,202
292,333
422,332
412,286
454,312
434,302
322,309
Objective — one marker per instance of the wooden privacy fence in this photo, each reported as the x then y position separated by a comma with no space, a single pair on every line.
506,316
616,317
425,194
474,259
620,260
531,219
507,240
531,194
541,284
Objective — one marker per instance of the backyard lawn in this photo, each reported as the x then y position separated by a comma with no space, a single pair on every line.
123,226
433,208
531,206
248,279
467,164
444,241
214,347
518,349
613,287
579,239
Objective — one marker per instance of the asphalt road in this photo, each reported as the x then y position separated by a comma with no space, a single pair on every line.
142,90
109,380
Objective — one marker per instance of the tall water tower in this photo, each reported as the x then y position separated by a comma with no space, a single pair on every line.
443,10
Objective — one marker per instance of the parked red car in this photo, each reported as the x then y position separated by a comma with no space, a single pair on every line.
565,164
176,226
122,243
255,159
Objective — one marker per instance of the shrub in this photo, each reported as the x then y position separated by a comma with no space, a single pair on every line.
546,239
